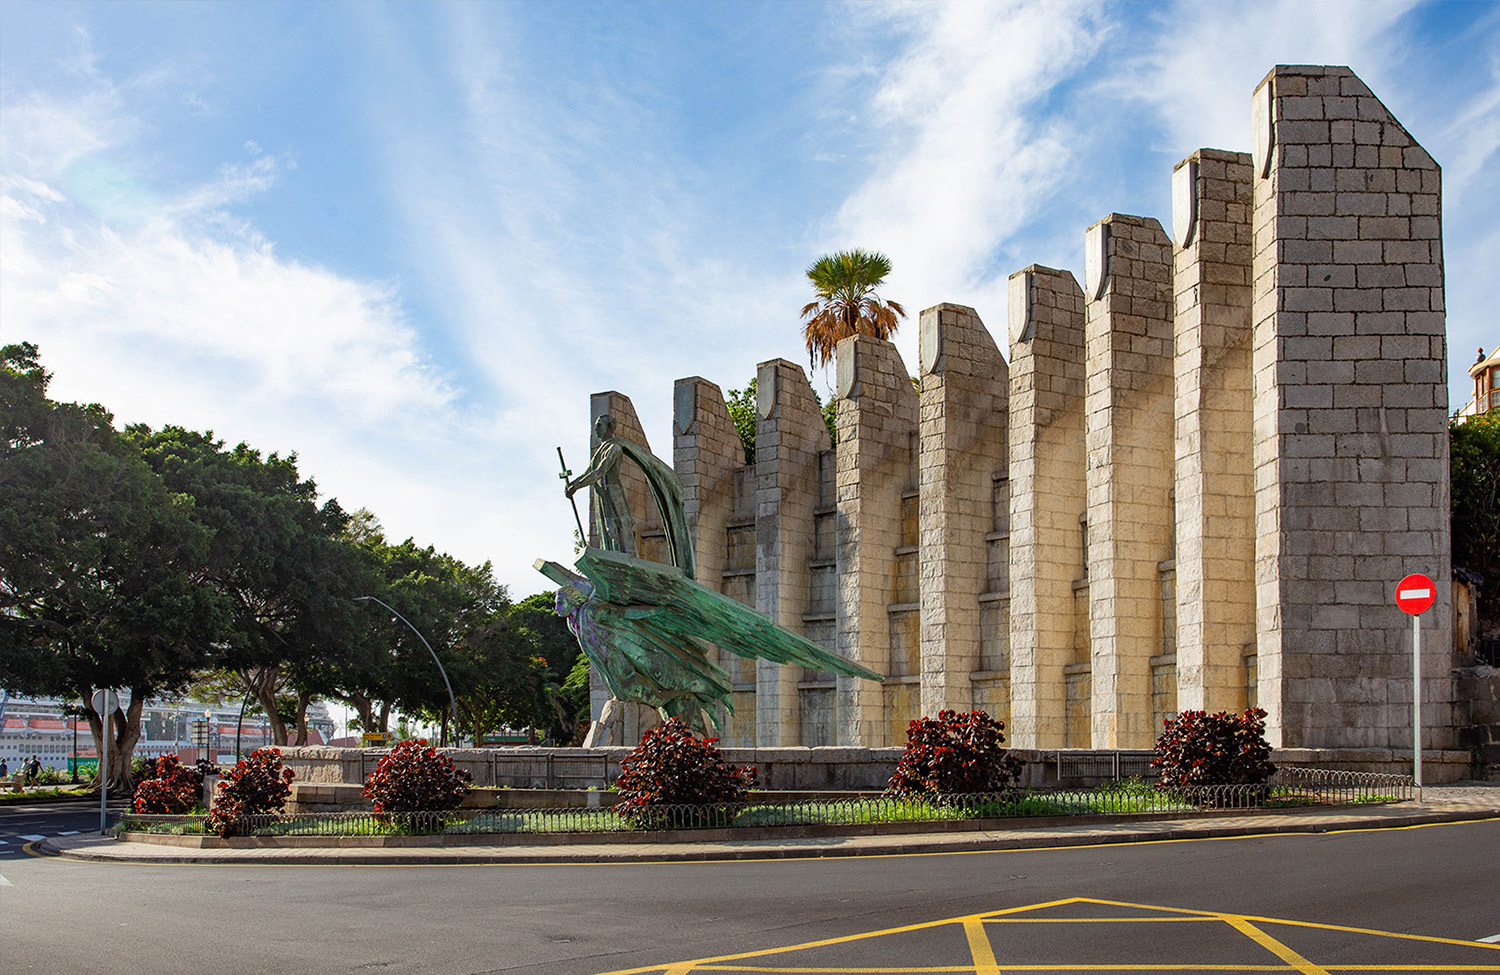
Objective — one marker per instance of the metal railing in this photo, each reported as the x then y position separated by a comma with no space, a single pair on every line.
1288,788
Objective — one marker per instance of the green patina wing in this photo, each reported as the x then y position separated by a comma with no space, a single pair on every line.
666,601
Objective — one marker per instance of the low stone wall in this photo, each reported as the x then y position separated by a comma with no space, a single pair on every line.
781,769
1438,766
554,771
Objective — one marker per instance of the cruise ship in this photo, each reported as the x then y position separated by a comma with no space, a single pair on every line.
44,727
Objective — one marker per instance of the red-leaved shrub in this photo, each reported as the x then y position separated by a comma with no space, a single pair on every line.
1197,748
256,785
672,766
170,788
954,754
415,778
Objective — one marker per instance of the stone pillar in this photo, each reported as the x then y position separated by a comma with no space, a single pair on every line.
650,542
707,454
1128,430
1046,495
1351,440
789,436
965,391
878,591
1215,543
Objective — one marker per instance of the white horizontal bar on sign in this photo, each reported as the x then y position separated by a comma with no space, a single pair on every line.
1414,593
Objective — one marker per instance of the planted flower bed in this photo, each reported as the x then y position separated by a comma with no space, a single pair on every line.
1289,787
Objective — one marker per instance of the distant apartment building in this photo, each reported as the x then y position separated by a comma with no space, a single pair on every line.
1486,374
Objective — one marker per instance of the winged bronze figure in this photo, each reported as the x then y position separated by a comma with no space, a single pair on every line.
649,628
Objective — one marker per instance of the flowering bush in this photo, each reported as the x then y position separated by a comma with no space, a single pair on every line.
256,785
1196,749
954,754
672,766
169,788
414,778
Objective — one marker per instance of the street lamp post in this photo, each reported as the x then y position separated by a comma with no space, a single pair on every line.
452,701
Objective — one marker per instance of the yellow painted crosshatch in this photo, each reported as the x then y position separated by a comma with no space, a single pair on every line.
1081,932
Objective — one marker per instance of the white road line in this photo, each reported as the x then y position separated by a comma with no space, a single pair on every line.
69,832
31,837
4,882
1493,939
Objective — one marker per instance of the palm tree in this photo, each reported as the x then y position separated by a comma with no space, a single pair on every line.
847,303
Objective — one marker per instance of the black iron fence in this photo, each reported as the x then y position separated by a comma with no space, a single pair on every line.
1288,788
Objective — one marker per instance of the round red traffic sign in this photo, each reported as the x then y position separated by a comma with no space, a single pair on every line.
1415,594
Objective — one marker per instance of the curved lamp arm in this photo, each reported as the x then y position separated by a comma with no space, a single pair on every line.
452,701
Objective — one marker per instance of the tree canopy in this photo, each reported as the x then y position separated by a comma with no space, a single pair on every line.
1474,456
150,560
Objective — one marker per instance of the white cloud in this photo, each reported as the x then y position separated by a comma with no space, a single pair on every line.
1198,64
187,315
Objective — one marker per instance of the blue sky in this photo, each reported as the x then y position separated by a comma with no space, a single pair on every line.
406,241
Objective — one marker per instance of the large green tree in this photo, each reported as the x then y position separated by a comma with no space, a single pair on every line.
1474,454
451,604
277,558
103,578
847,302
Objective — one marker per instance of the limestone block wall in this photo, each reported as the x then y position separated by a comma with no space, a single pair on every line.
963,404
1129,438
790,439
1047,493
878,602
1194,486
1215,500
1351,447
707,455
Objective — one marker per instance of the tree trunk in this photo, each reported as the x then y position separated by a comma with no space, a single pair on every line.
363,707
385,716
263,684
124,731
303,700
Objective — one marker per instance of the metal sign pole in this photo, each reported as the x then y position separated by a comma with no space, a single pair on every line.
104,769
1416,698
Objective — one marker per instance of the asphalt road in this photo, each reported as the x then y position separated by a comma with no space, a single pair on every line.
22,822
1189,903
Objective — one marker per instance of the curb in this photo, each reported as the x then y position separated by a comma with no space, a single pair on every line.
950,842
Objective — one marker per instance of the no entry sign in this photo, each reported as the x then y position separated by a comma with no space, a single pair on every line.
1415,594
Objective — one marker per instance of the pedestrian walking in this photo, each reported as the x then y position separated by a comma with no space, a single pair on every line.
4,768
34,771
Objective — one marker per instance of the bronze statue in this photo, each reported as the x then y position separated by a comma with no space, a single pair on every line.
648,628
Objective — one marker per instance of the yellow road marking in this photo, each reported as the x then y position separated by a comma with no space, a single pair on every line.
980,947
842,939
1383,934
960,969
1275,947
1301,924
986,963
1100,920
866,969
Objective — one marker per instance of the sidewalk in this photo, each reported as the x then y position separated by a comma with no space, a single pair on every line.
1440,804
